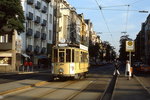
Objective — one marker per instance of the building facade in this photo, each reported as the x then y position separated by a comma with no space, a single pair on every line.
38,35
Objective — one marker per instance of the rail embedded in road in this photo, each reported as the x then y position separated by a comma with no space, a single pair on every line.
109,91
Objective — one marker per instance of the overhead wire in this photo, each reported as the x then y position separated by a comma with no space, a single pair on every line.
135,2
100,8
108,9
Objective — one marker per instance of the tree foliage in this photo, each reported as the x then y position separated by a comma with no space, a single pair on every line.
123,54
11,15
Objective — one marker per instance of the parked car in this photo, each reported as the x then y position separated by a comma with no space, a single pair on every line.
142,68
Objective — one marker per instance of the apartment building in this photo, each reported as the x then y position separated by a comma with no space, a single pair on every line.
147,40
38,35
9,48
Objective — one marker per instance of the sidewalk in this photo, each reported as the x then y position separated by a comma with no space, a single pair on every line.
129,90
10,87
19,85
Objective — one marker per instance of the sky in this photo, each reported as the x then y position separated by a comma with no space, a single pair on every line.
115,17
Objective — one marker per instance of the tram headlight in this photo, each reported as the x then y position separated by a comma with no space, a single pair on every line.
61,70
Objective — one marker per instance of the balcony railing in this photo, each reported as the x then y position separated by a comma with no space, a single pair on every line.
38,5
29,48
43,51
37,34
36,49
44,9
30,1
30,16
6,46
44,22
29,32
37,20
43,37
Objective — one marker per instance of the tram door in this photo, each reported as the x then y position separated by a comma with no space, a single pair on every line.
61,55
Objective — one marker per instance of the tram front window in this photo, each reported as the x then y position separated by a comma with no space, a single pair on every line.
61,56
68,55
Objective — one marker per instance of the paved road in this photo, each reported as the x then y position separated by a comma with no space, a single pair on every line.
90,88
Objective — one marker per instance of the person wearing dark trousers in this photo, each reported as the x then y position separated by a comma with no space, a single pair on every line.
116,65
31,65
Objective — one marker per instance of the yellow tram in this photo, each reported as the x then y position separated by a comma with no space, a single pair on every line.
69,62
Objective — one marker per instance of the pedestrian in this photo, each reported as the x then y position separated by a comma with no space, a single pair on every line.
116,65
25,65
128,70
31,65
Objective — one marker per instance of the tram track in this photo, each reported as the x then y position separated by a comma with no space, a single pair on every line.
107,95
52,91
77,93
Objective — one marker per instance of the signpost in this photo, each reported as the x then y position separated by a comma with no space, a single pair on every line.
130,47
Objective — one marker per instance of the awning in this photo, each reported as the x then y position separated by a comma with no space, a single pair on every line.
25,55
41,56
4,54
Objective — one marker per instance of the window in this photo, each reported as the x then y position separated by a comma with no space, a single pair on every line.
50,18
55,59
68,55
50,33
61,56
4,38
5,60
72,55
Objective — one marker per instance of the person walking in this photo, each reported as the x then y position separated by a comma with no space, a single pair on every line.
116,65
31,65
128,70
25,65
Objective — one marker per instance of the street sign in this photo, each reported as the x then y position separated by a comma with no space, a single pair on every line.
130,46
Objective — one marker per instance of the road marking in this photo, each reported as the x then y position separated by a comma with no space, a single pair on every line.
142,84
22,88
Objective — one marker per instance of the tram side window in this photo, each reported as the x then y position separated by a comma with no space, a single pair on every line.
61,56
72,55
55,55
68,55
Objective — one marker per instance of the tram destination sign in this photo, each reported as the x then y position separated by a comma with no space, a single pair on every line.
130,46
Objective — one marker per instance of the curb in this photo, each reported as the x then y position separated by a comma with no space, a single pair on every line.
142,84
22,88
114,88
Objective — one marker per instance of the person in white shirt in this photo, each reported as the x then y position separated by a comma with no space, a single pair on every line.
128,70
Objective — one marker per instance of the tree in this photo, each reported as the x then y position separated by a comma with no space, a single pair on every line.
123,54
11,15
109,50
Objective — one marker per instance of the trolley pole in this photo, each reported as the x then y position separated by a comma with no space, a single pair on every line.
130,57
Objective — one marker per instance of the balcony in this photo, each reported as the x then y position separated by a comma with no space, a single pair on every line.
38,5
6,46
29,48
30,16
29,32
43,51
59,15
36,49
37,20
44,22
43,37
30,2
37,34
44,9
